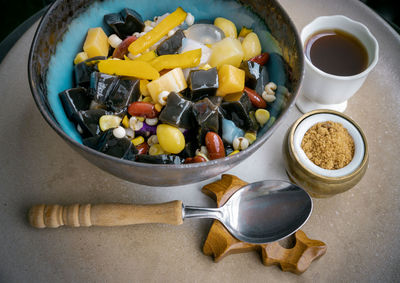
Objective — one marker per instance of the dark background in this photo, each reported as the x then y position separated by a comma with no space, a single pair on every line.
15,12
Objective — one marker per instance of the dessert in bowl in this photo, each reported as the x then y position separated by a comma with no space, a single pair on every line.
61,36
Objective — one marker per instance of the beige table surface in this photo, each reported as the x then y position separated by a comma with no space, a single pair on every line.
360,227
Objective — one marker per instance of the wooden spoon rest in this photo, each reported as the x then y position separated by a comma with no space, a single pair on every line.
221,243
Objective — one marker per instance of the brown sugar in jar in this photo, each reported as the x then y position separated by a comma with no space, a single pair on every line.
328,145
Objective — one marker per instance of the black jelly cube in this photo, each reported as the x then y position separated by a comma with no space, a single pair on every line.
107,143
115,22
74,100
207,116
172,44
102,86
83,71
252,73
237,108
126,91
88,120
125,23
177,112
133,22
203,83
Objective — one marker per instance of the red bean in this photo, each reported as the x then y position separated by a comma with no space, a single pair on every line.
255,99
142,148
261,59
142,109
215,146
196,159
122,48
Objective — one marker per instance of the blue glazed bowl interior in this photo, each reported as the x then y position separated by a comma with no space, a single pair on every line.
60,68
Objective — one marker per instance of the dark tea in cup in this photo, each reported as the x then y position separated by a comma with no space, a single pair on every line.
337,52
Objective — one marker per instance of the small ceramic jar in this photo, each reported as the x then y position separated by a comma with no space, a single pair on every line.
320,182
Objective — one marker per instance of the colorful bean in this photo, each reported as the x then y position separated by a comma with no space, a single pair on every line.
122,48
142,148
214,145
196,159
261,59
142,109
170,138
255,98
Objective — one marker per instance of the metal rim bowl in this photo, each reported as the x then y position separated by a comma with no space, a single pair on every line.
50,31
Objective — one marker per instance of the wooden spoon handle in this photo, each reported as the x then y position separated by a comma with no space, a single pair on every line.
76,215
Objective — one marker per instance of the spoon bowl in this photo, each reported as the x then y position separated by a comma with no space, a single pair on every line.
261,212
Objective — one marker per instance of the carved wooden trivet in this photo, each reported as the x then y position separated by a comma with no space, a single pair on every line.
220,242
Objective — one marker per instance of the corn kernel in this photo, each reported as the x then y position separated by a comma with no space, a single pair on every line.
147,99
125,121
152,140
138,140
251,46
156,149
109,121
262,116
244,31
226,26
158,107
250,136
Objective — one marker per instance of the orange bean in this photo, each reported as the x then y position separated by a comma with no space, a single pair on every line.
142,148
122,48
196,159
142,109
214,145
255,98
261,59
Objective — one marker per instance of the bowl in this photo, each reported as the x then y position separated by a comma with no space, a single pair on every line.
60,35
317,181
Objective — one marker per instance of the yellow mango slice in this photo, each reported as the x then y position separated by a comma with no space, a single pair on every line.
187,59
227,27
129,68
230,80
174,80
244,31
96,43
147,56
228,51
251,46
171,21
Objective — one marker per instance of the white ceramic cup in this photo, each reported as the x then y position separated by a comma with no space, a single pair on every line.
321,90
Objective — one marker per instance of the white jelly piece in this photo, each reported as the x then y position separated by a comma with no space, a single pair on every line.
190,44
205,33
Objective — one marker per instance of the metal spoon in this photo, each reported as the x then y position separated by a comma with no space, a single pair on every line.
258,213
